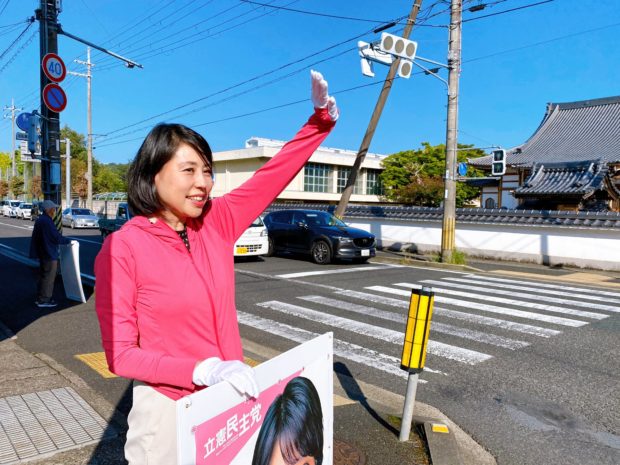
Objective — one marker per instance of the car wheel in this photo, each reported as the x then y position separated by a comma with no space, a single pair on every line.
271,248
321,253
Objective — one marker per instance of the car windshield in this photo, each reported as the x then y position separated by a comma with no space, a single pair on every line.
324,219
81,211
257,222
14,204
26,205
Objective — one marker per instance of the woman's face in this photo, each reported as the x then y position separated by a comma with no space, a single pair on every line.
183,185
277,459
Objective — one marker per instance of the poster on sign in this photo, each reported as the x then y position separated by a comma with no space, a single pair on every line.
218,425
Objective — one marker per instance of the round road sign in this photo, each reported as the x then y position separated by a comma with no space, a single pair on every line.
53,67
23,121
54,97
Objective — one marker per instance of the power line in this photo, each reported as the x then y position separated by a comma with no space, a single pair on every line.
507,11
18,51
31,21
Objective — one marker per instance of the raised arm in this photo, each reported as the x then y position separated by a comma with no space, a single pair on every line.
233,212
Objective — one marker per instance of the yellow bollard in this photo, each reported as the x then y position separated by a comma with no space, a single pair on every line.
414,349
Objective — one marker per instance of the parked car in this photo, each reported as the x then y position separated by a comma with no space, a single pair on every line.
9,208
319,234
79,218
23,210
35,211
123,214
254,241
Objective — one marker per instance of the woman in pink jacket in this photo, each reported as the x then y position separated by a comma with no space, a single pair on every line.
165,293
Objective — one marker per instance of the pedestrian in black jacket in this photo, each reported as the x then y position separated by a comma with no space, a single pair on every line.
44,246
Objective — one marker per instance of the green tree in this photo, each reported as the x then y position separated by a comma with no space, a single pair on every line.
4,188
5,163
17,185
34,189
415,176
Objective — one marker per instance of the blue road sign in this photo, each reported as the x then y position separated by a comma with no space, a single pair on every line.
54,97
23,121
21,135
462,169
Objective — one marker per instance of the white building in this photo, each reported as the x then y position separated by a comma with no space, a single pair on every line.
321,180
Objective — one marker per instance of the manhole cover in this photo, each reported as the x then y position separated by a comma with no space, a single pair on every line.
346,454
45,422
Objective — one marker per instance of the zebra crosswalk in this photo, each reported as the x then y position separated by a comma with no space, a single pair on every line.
476,318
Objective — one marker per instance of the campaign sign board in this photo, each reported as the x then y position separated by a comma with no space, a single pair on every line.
218,425
54,97
70,270
53,67
25,153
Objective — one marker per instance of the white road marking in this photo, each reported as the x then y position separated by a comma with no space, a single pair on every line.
331,271
458,354
16,226
465,333
534,288
81,239
465,304
346,350
502,300
597,291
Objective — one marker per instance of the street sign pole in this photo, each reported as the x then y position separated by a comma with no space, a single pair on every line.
50,151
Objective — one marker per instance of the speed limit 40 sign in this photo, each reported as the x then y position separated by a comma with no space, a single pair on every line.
53,67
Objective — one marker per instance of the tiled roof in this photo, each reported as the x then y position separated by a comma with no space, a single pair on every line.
598,220
565,179
575,131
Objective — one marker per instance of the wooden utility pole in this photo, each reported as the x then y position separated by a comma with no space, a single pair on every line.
374,119
454,67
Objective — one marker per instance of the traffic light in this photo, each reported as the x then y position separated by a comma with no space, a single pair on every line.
498,165
34,133
369,54
403,48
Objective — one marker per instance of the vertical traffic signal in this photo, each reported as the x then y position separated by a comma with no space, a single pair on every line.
498,164
35,133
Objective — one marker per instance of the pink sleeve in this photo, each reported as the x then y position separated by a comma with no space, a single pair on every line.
237,209
115,304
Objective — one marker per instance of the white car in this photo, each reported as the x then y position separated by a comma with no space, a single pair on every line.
254,241
9,208
79,218
24,210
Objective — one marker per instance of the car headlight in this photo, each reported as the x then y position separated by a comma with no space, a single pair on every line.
345,240
264,233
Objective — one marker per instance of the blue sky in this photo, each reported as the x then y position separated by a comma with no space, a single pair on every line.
513,65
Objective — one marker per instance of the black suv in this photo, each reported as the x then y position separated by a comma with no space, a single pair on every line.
319,234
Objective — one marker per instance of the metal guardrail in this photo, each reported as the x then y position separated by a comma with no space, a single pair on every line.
598,220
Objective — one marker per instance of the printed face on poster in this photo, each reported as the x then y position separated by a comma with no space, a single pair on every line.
218,425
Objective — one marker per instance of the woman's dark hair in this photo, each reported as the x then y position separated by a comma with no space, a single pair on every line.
295,421
156,150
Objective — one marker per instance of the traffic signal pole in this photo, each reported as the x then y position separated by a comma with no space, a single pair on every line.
374,119
47,15
454,66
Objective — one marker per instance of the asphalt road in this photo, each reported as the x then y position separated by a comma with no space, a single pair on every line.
531,371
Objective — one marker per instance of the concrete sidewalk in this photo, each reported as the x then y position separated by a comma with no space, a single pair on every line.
49,415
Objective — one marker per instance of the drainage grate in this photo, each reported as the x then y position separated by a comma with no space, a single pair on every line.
45,422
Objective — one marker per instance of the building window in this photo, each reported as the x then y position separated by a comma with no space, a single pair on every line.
489,203
317,177
343,176
374,186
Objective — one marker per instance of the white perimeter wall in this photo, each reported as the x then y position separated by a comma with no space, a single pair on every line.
589,248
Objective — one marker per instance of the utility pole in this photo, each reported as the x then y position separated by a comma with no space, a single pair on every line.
13,109
89,168
454,67
374,119
47,14
68,172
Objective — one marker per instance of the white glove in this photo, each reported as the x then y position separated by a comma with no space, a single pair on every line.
320,96
213,370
